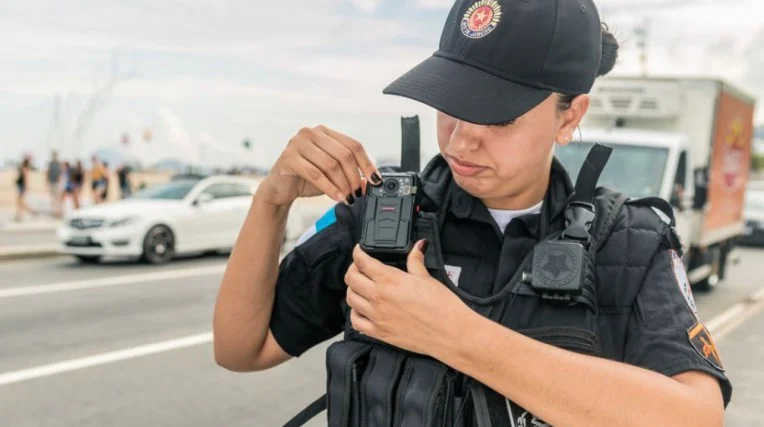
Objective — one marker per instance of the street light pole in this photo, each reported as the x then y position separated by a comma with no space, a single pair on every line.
642,32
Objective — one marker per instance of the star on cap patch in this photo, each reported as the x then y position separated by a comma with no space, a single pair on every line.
481,18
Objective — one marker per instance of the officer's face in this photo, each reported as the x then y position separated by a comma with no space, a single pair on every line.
508,166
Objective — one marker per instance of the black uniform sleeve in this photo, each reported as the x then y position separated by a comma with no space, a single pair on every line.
310,288
665,333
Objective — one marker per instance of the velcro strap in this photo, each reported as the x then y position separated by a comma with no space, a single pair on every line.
378,387
480,403
590,172
410,136
424,395
345,363
427,228
308,413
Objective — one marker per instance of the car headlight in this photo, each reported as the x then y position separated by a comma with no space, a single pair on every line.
123,221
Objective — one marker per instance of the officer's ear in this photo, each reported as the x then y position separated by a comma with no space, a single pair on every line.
570,112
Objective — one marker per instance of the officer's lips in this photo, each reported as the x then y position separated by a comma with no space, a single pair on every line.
463,167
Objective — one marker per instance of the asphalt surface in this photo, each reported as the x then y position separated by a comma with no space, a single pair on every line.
163,315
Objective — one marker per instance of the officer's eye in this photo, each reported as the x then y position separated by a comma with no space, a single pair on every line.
504,124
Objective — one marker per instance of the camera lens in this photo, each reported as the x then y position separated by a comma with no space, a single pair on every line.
391,185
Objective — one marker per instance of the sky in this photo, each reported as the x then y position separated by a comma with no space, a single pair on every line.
203,75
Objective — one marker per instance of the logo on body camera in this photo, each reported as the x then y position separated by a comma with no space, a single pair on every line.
481,19
557,266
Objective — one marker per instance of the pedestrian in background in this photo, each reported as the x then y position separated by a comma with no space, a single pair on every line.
53,179
22,183
106,182
97,180
123,175
78,180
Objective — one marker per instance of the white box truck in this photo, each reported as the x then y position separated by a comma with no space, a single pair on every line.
686,140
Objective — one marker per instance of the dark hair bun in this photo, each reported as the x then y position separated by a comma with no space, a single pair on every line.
609,51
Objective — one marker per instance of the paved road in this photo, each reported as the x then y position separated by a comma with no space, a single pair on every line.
150,309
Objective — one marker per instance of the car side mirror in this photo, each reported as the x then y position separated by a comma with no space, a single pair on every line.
203,198
676,199
701,189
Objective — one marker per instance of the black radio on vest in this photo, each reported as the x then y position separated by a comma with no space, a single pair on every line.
560,266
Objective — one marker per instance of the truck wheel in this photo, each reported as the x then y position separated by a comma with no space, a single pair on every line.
716,260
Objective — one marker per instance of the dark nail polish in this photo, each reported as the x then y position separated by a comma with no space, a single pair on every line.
423,246
358,192
376,179
350,200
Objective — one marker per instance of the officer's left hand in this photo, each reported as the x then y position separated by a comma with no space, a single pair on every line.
410,310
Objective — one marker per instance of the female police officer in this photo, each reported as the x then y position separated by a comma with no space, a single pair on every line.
509,81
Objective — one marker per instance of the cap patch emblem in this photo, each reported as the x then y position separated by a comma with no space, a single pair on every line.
481,18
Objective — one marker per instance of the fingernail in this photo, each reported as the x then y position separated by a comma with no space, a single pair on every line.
358,192
376,179
350,200
423,244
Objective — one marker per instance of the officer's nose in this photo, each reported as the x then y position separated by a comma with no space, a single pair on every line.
466,136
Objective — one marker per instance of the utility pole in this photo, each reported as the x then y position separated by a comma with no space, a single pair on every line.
55,125
642,33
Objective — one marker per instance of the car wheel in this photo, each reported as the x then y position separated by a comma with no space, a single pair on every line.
158,245
88,259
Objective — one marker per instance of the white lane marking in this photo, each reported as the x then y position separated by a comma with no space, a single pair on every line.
725,317
103,358
758,296
110,281
730,319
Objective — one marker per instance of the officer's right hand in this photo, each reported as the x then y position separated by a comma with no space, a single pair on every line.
319,161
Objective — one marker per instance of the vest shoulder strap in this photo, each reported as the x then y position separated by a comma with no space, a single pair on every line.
608,204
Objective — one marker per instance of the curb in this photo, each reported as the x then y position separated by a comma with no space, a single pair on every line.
31,252
8,227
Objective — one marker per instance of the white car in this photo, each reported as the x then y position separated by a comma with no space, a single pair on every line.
185,215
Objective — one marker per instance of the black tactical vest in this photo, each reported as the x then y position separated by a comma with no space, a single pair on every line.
370,383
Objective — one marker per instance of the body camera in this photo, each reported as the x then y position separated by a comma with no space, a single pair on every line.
389,218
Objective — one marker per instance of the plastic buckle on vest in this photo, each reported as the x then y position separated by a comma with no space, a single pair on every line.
579,217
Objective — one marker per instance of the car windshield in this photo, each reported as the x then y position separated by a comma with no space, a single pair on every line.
175,190
636,171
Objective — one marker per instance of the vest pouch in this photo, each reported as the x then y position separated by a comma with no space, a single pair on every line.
571,325
346,362
425,395
379,385
569,338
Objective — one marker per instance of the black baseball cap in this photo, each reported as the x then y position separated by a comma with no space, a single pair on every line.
498,59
